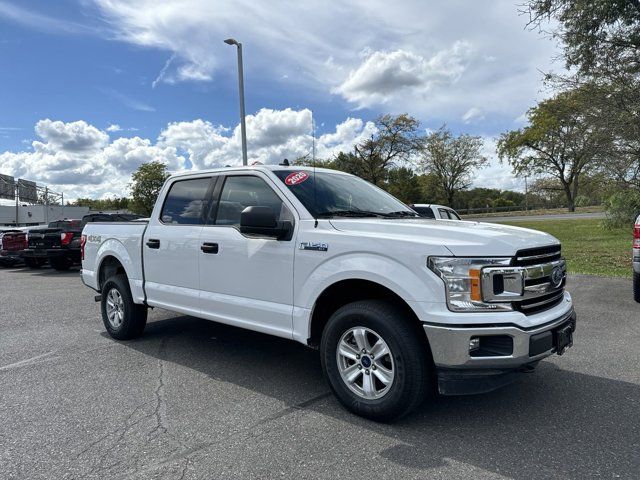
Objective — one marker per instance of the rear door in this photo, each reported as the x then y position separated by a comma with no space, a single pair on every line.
171,245
247,281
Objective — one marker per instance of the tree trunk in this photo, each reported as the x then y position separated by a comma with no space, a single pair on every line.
570,198
450,195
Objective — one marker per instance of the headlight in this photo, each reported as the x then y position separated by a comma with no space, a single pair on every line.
461,277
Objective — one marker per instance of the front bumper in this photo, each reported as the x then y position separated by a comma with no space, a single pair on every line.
459,372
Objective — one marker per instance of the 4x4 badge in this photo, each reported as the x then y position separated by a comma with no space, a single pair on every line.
315,246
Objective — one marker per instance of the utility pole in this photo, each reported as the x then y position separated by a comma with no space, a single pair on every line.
313,139
17,201
243,128
46,204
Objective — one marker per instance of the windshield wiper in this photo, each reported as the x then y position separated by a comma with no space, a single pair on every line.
350,213
402,214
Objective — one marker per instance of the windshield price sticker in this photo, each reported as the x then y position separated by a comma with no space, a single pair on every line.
295,178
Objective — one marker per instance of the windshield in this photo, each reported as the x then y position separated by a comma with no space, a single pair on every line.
341,195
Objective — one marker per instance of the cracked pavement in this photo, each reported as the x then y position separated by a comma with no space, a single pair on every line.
193,399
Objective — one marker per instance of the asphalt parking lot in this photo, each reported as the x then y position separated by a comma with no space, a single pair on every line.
194,399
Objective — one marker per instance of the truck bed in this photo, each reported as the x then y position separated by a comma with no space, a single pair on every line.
123,237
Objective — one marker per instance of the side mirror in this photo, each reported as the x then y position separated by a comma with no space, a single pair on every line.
261,221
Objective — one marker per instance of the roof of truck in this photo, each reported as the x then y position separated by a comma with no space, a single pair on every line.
250,168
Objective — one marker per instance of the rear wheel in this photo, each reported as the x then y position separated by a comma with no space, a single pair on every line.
61,263
376,360
636,287
122,318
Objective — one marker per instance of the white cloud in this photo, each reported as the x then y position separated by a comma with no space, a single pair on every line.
385,75
496,174
70,137
114,127
474,114
80,159
435,60
272,135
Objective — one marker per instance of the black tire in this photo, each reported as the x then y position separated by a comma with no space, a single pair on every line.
134,316
636,287
412,365
34,262
60,264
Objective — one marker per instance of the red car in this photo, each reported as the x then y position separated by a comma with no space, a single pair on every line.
12,243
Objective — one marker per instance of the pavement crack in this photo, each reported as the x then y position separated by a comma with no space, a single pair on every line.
159,411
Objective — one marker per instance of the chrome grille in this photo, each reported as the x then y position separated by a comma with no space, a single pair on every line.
533,256
533,282
539,264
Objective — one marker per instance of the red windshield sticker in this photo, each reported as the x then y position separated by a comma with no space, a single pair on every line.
295,178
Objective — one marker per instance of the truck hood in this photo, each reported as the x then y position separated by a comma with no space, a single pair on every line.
462,238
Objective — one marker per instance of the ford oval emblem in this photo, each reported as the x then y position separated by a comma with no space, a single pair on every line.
557,275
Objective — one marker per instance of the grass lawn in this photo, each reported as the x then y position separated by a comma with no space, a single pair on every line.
588,247
540,211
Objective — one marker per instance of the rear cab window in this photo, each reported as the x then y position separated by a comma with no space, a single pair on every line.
187,202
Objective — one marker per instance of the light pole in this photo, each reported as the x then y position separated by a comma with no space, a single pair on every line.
243,128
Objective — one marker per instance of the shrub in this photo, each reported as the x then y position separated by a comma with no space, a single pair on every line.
582,201
622,208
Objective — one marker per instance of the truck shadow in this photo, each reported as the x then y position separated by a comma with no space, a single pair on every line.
553,423
46,271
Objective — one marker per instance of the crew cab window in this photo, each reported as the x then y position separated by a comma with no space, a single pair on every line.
186,203
450,214
240,192
453,215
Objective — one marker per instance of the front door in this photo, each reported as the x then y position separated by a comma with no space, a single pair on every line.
246,281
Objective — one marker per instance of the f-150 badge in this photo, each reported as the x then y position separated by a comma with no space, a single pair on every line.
315,246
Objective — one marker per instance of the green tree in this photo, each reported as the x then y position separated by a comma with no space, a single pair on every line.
560,141
396,141
601,38
404,184
145,186
103,203
601,42
452,160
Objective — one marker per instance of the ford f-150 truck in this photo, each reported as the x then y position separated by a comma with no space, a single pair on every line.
399,306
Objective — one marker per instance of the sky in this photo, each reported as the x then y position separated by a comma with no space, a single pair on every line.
90,89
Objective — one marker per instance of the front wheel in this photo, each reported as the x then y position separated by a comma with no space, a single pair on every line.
376,360
122,318
636,287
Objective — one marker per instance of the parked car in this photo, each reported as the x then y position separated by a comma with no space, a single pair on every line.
439,212
12,243
397,305
59,243
636,260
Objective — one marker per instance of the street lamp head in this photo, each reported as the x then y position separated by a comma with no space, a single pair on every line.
231,41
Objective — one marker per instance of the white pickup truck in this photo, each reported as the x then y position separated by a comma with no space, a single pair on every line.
399,306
